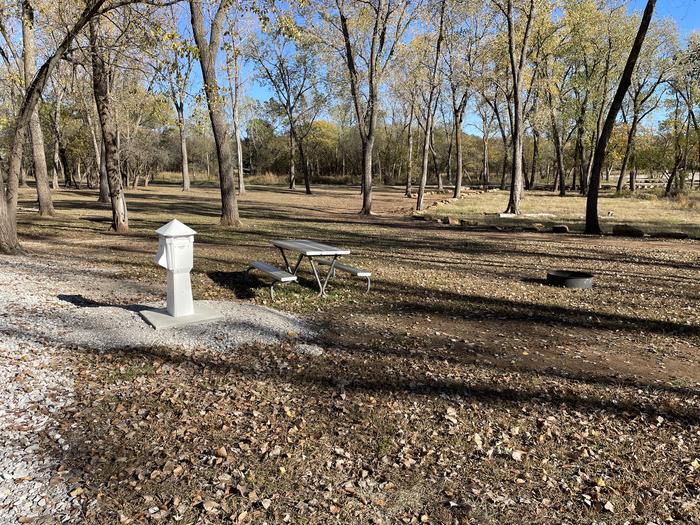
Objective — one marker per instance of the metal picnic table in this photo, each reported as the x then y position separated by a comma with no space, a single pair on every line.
310,249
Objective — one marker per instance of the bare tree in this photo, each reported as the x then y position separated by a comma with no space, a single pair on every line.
174,67
369,33
517,12
290,69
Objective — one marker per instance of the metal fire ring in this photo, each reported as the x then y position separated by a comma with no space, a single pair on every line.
570,279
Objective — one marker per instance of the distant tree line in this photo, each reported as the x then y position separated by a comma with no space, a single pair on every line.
517,94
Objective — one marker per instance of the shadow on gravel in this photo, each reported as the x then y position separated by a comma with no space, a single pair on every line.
83,302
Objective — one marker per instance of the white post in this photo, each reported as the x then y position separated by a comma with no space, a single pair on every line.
175,254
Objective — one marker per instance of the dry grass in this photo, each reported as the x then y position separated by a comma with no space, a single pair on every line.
460,390
646,209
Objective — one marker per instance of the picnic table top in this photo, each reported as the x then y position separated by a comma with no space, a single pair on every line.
309,248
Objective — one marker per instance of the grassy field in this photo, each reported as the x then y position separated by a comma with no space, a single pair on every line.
460,390
649,210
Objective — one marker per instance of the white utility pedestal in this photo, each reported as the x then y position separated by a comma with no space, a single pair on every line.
176,254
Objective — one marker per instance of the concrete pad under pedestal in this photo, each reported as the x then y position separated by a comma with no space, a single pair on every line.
160,319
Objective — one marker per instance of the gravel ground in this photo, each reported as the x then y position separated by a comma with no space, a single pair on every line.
44,318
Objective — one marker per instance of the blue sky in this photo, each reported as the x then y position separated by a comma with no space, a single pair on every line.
686,13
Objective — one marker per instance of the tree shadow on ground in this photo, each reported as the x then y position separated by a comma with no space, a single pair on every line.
348,372
242,284
473,306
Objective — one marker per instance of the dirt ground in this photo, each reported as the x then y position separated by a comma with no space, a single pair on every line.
461,389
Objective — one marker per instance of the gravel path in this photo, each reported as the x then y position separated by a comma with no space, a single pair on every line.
44,318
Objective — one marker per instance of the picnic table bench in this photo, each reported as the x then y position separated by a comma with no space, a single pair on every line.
310,250
355,272
278,276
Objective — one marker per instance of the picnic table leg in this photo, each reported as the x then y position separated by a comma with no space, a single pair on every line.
331,273
286,262
321,287
296,266
323,284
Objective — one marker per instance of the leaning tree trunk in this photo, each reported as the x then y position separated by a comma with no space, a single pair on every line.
100,81
592,222
41,173
8,193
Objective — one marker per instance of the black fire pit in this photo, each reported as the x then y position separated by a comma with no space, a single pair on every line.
570,279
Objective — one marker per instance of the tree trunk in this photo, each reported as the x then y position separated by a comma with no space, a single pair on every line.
485,173
57,142
23,176
535,158
458,152
592,222
504,167
558,150
100,80
626,156
239,154
633,179
436,167
367,148
304,166
56,166
185,164
409,170
41,174
292,153
517,66
207,61
104,178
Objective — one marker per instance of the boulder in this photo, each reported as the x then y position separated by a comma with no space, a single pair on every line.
560,228
627,230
